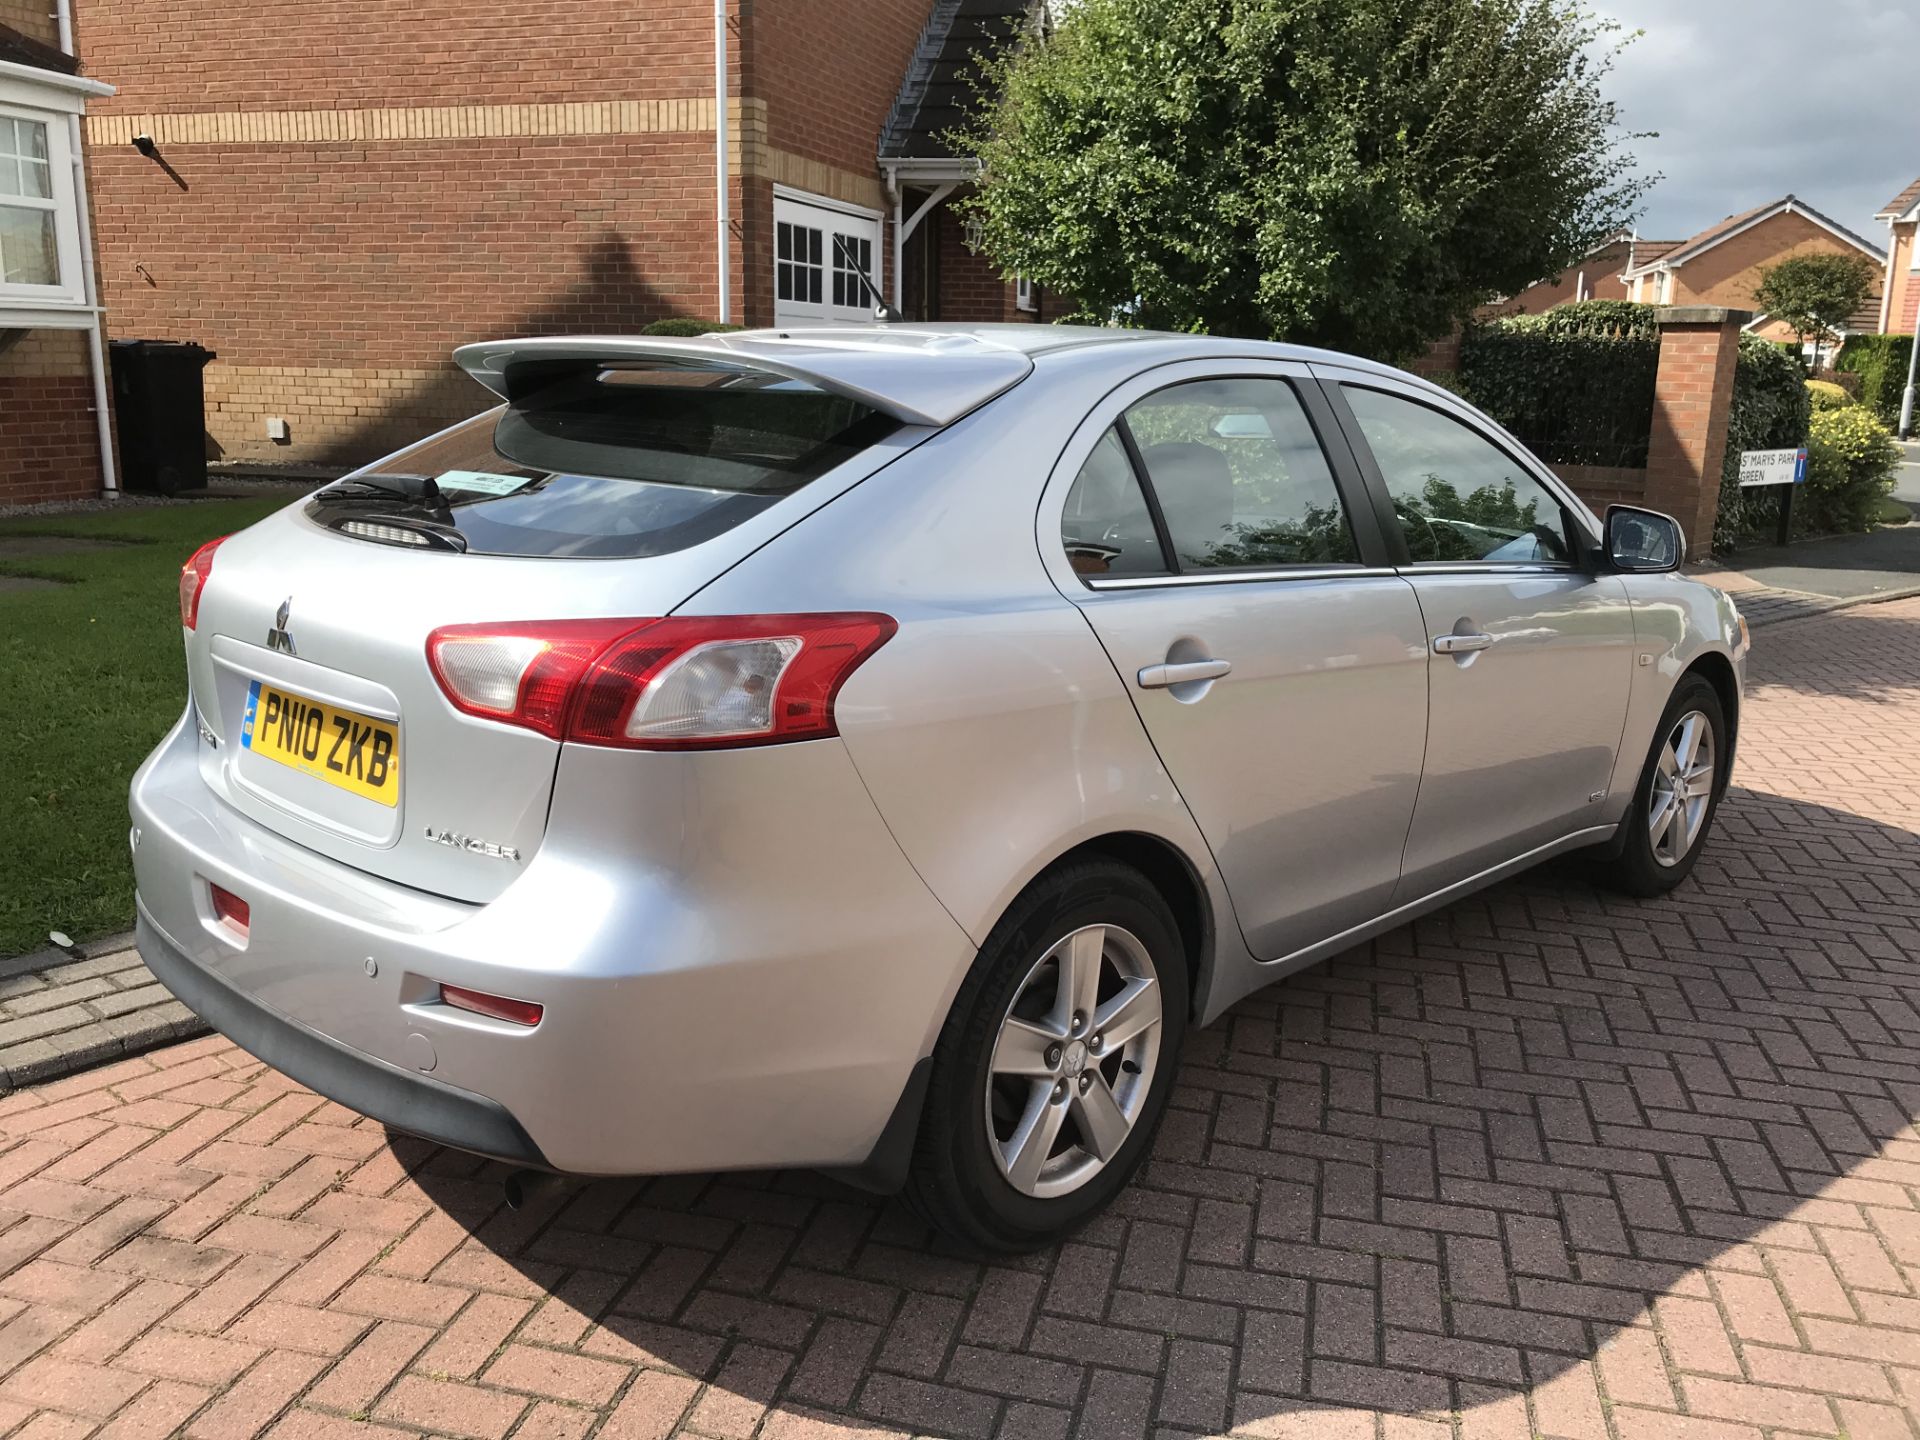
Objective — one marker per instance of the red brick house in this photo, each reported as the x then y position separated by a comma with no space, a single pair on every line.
332,195
1900,302
1597,276
1722,264
55,440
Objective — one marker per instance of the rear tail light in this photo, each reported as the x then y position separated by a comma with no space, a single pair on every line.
229,909
495,1007
681,683
521,674
193,580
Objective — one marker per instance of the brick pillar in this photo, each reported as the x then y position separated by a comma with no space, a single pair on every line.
1692,395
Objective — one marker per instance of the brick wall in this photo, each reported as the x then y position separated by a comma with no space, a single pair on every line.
371,262
1604,485
970,287
829,72
32,18
1693,393
1441,357
49,446
227,55
357,189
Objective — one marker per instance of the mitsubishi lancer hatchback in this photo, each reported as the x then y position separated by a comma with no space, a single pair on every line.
873,749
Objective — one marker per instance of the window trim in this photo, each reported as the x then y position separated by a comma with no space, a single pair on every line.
1581,536
70,291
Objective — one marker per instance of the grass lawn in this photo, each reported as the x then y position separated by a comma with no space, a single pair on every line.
91,676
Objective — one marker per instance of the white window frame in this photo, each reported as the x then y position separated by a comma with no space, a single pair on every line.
70,290
1023,294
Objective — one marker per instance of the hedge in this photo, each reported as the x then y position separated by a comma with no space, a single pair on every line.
1881,363
1575,384
1770,412
687,325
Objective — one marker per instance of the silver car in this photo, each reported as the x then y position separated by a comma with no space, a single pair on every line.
871,749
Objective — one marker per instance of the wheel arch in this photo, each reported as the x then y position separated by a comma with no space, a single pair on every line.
1173,875
1717,670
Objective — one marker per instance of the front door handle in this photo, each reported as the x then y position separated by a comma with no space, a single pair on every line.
1461,644
1159,677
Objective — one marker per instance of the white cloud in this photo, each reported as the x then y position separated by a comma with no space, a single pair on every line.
1754,99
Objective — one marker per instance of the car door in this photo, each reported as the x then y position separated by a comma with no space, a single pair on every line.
1207,532
1530,650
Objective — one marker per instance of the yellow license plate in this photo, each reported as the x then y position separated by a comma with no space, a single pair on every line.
342,747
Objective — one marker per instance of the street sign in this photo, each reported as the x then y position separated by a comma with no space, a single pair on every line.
1773,467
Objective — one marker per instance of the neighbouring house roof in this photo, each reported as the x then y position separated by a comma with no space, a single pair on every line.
23,50
937,92
1734,224
1645,252
1898,207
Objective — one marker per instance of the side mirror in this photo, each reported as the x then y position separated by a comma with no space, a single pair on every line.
1643,541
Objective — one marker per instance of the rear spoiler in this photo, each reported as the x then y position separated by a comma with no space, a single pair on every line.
916,376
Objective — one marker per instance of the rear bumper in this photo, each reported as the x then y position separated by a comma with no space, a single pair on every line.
404,1100
738,968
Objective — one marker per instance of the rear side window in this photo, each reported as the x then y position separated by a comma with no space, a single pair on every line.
1107,528
1240,476
612,462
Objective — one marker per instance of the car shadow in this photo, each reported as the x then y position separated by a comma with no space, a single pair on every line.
1526,1142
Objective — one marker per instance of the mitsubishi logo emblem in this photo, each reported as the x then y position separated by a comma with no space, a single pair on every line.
277,637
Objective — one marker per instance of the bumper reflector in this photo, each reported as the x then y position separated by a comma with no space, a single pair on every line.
230,909
495,1007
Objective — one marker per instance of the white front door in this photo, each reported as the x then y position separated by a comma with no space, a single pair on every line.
821,248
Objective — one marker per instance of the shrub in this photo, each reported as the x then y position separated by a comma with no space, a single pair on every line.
1851,459
1826,395
1575,384
1881,363
687,325
1769,412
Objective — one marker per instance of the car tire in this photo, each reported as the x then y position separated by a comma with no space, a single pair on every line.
1662,838
1016,1061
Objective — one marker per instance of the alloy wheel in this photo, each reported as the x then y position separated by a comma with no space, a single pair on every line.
1072,1064
1681,789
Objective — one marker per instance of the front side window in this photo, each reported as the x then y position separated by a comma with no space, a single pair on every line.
1240,476
29,208
1458,496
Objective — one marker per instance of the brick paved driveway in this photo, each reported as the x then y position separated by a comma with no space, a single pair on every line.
1549,1165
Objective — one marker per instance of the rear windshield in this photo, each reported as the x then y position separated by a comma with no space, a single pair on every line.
606,462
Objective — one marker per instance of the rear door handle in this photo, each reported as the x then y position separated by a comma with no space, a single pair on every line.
1159,677
1460,644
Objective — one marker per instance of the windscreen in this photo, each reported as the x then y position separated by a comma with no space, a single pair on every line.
611,462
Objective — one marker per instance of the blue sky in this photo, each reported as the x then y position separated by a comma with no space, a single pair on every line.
1757,98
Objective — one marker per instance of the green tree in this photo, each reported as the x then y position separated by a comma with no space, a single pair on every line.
1352,173
1815,293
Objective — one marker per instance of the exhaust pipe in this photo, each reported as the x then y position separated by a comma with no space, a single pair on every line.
523,1187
